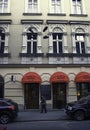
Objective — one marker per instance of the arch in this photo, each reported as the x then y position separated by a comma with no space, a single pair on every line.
80,30
31,77
82,77
59,77
57,29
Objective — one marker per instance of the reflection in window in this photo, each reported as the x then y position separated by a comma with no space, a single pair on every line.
57,43
2,41
77,6
3,6
56,6
31,42
80,43
32,6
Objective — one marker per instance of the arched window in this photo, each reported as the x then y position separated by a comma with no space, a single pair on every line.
31,41
57,38
80,41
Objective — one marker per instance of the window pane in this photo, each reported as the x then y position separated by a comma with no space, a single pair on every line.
28,47
60,47
54,47
34,47
77,47
83,47
2,47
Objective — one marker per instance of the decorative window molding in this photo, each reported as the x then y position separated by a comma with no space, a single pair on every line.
4,48
31,46
80,38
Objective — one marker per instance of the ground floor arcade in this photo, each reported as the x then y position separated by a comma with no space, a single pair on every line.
57,85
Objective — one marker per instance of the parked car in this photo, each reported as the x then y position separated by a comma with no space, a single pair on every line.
8,110
79,110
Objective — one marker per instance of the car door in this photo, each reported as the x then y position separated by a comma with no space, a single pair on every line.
88,107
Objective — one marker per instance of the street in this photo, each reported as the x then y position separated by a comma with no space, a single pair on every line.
47,125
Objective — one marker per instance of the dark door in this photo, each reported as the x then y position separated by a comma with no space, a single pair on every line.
31,96
59,95
1,87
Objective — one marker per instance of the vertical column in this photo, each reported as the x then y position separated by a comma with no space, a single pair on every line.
73,43
39,47
50,43
24,46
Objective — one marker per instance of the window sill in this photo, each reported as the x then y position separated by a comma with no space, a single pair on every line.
5,14
31,55
56,14
32,14
5,55
79,15
67,55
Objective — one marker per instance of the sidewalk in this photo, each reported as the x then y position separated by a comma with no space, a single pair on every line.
35,115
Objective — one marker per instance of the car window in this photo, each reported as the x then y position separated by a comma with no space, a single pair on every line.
84,99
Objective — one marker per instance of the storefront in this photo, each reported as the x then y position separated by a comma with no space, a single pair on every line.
59,81
31,82
82,80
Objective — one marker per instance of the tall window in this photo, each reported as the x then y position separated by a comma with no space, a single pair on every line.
55,6
32,6
31,42
3,6
57,42
77,6
80,43
2,41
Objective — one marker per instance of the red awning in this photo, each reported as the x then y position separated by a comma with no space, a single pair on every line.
59,77
82,77
31,77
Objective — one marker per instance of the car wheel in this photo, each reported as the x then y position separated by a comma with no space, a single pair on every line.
4,118
79,115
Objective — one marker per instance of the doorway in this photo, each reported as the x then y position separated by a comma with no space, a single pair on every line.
1,87
59,95
31,95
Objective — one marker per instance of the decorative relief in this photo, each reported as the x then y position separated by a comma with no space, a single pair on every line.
35,27
79,28
57,27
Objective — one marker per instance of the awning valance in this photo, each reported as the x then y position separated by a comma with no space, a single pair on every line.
82,77
59,77
31,77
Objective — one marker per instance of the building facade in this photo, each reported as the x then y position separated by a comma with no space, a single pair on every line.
44,50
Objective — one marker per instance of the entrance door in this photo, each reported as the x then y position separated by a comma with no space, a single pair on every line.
59,95
31,92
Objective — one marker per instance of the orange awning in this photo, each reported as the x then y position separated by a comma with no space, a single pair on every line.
82,77
59,77
31,77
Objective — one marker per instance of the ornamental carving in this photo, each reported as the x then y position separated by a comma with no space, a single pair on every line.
79,28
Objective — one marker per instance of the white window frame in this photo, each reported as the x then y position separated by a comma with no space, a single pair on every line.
82,8
80,39
50,7
33,10
57,40
2,4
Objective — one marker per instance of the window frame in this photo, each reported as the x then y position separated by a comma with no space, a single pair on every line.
83,9
55,12
79,48
3,6
58,48
32,11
